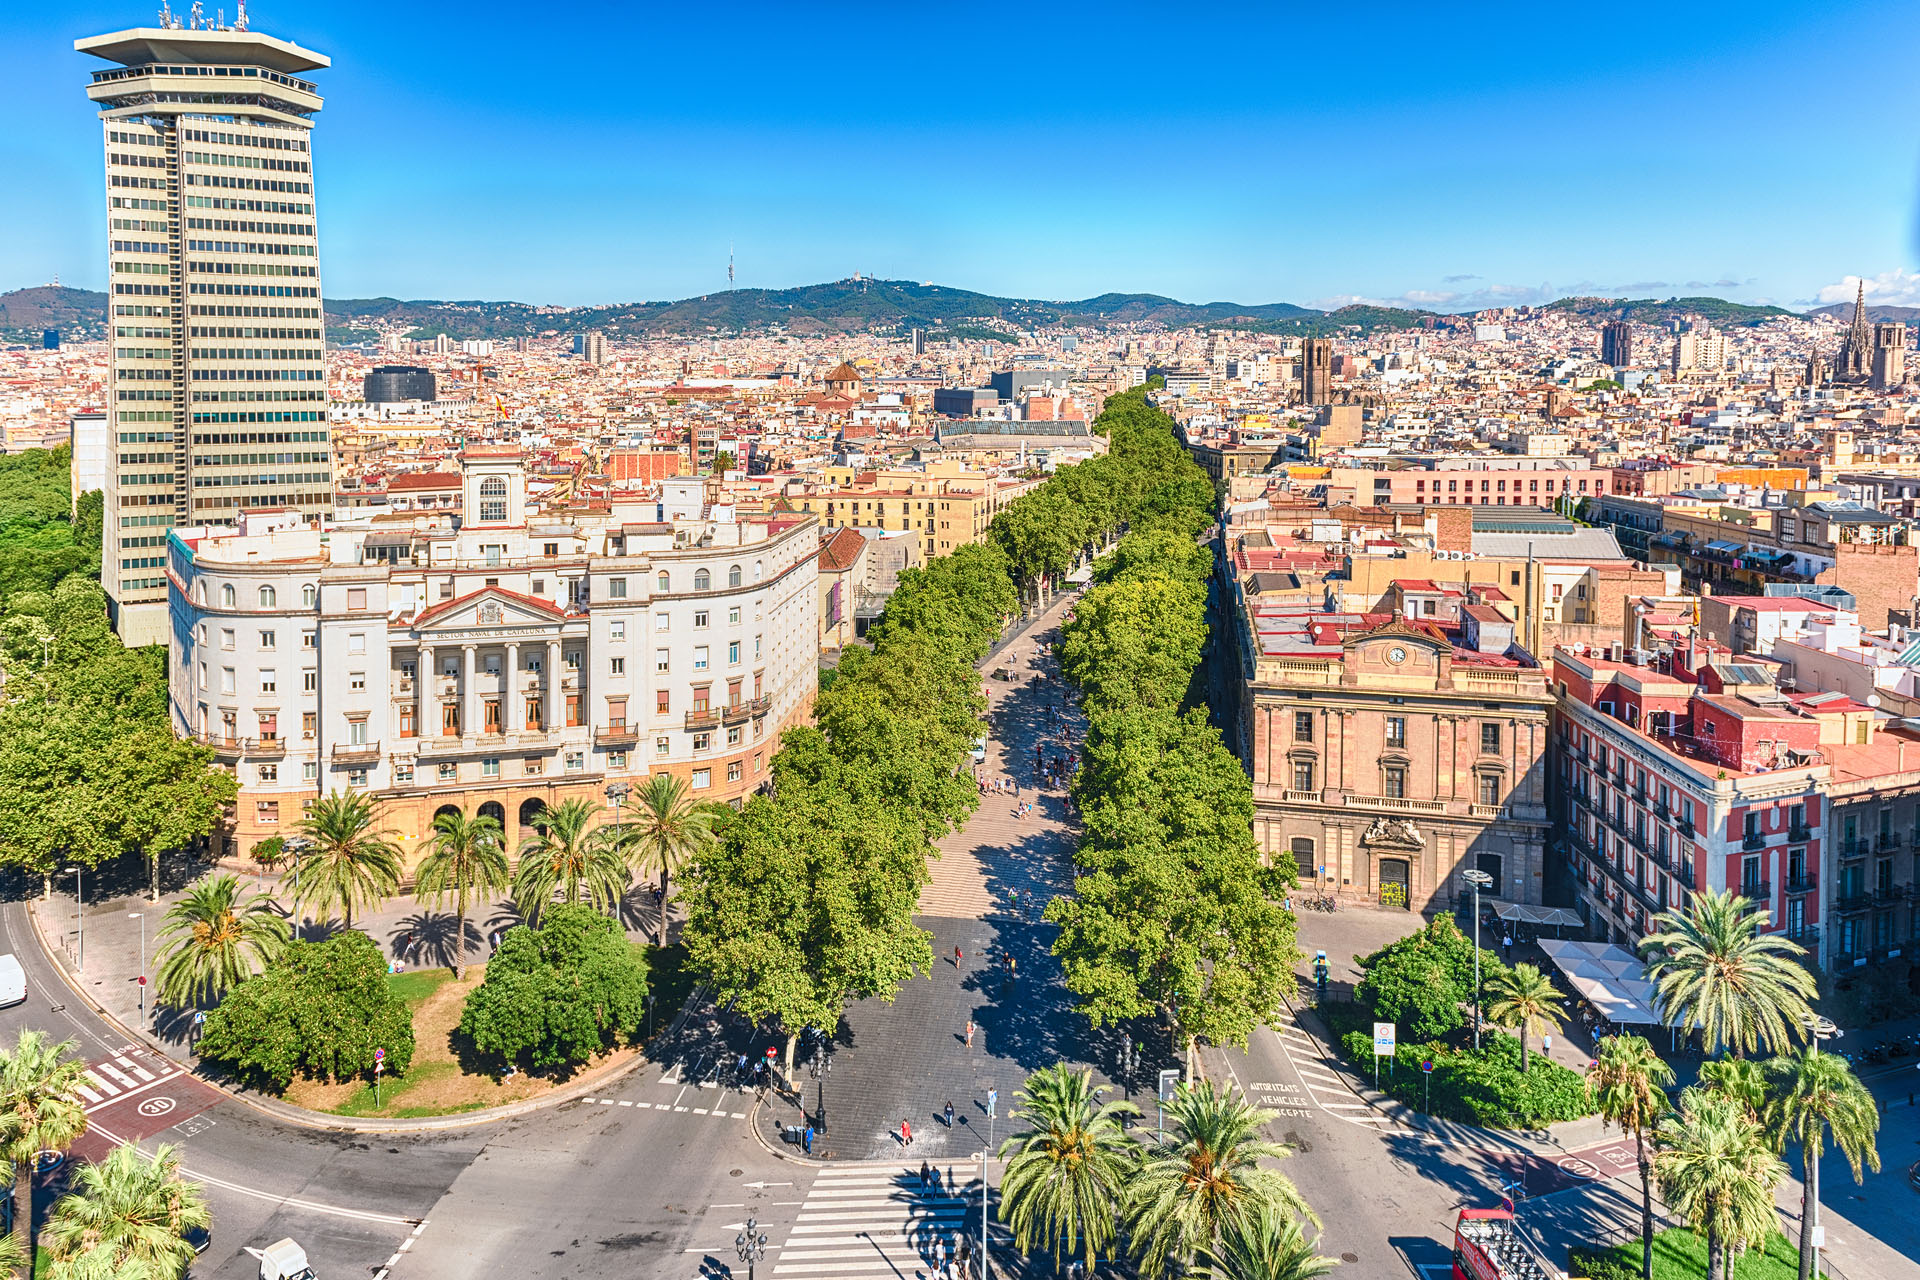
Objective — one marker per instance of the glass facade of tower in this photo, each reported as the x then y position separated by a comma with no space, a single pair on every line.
219,399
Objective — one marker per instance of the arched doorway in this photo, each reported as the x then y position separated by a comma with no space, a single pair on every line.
453,809
531,812
492,809
1393,882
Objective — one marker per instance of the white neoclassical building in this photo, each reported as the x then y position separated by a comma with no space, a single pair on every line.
500,661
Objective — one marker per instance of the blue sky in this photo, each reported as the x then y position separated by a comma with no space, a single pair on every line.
1447,154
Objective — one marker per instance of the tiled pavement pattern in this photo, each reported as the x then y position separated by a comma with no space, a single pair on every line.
876,1220
981,867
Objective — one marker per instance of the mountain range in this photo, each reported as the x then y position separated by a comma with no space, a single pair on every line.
860,305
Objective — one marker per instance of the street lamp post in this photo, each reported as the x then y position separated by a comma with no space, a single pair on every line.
617,793
79,914
1820,1029
751,1245
141,917
1479,880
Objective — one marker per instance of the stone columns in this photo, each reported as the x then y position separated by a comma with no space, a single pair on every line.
424,703
510,691
469,692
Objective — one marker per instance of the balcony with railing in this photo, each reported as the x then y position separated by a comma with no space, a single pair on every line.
1798,833
616,733
1888,840
1855,848
1760,891
703,719
1804,883
271,748
1684,826
356,752
1852,902
1683,872
224,747
1806,935
1753,840
1888,894
741,712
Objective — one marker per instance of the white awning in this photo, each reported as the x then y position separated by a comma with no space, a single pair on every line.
1612,979
1551,917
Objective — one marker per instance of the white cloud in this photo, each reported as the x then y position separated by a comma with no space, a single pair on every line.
1894,288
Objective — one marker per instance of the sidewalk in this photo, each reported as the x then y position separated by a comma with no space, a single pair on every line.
997,855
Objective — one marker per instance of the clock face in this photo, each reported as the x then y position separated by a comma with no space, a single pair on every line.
1396,654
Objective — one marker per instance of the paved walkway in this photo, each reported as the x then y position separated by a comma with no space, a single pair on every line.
1031,717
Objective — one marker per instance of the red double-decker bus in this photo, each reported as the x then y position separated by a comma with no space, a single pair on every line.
1489,1245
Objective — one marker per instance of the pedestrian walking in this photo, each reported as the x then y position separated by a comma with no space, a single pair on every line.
926,1175
806,1140
957,957
969,1044
906,1134
949,1115
1506,945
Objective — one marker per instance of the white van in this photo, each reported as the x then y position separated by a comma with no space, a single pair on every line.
13,982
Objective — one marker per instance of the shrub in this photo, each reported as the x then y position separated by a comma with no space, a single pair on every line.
1486,1089
322,1008
1420,982
556,995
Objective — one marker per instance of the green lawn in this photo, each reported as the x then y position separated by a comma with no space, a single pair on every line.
1678,1254
415,987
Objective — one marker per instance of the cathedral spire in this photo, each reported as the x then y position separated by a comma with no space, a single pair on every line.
1854,363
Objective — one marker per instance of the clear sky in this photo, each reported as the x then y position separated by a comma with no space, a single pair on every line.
1446,154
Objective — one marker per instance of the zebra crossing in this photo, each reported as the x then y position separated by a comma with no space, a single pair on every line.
1324,1086
110,1078
869,1220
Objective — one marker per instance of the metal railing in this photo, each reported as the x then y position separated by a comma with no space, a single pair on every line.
1802,883
616,733
356,751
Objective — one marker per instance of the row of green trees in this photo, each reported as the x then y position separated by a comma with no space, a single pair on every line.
217,935
90,769
126,1216
1174,909
806,902
1197,1198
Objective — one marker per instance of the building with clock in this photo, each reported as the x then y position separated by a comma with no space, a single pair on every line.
1390,753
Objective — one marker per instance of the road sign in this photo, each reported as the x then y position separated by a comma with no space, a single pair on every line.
1427,1066
1169,1082
379,1056
1383,1039
143,979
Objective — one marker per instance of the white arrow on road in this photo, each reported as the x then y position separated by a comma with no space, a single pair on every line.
766,1184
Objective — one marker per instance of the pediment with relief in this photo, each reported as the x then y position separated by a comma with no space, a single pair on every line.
488,608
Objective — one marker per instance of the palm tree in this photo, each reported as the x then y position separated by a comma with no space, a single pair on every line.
1266,1244
1202,1175
212,941
1741,1079
1718,1172
1815,1092
467,856
669,830
1712,966
13,1255
1524,998
1628,1085
1062,1187
568,855
40,1110
347,862
130,1208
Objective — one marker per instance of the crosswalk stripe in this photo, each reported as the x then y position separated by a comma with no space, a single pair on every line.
119,1077
86,1093
136,1068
